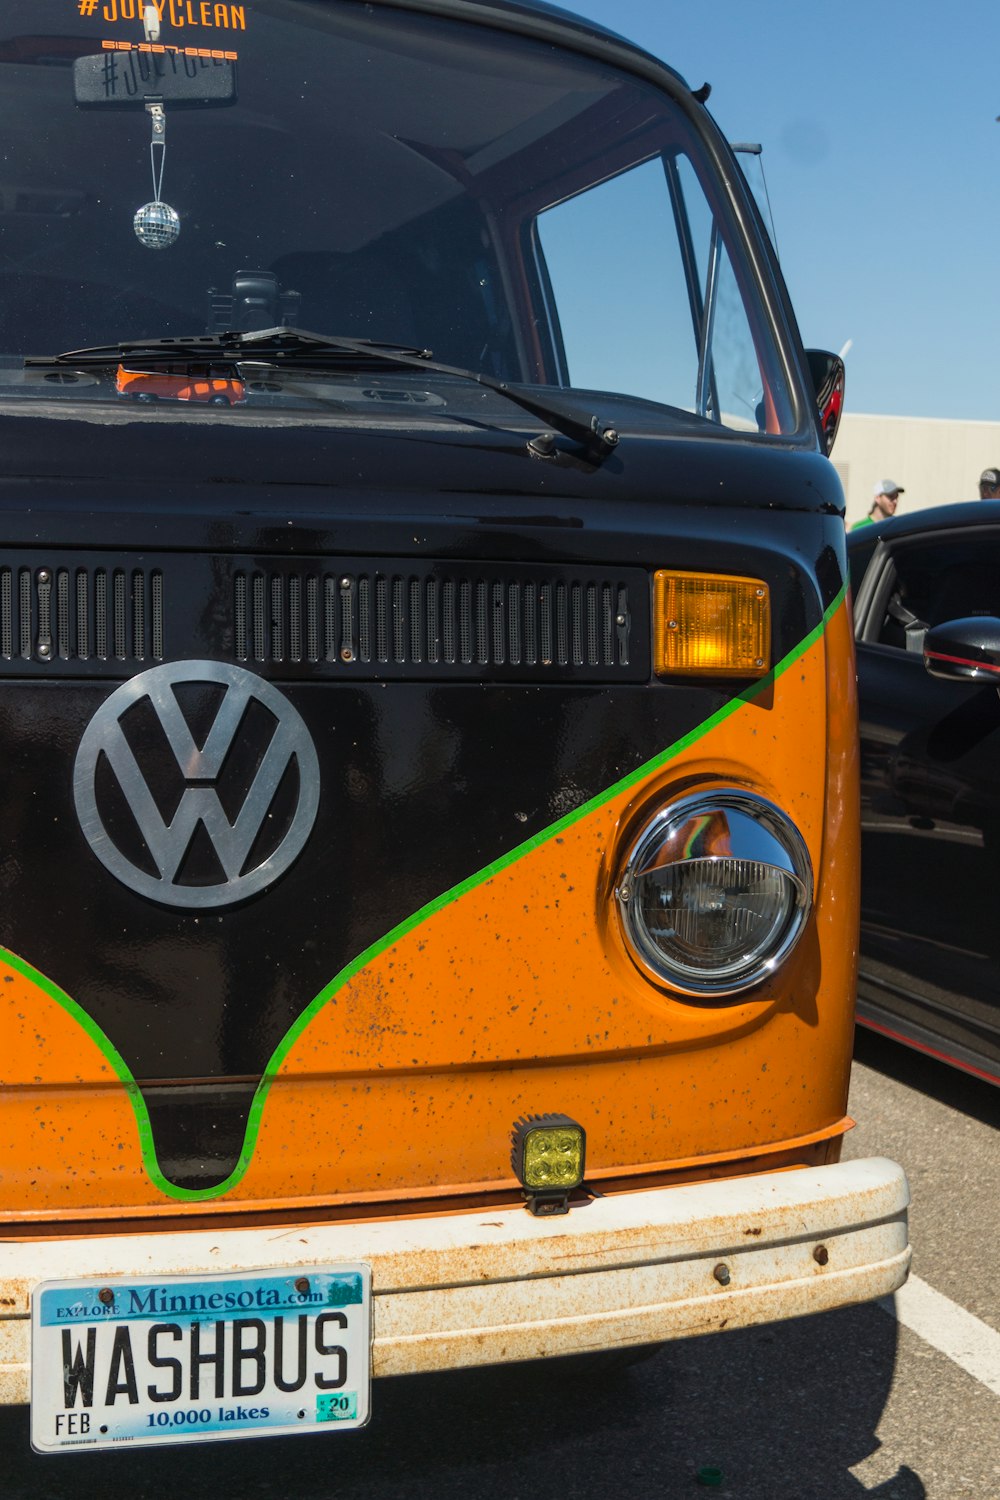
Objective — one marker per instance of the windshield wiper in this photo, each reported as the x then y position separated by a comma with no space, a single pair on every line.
277,345
278,348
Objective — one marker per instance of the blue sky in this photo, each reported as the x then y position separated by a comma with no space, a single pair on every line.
882,160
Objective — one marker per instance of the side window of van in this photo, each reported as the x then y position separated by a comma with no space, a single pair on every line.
653,309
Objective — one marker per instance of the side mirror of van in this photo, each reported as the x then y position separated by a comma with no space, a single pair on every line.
828,375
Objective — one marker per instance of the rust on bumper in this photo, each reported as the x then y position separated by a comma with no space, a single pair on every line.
487,1287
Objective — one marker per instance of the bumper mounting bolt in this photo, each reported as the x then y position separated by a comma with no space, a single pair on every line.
721,1274
821,1255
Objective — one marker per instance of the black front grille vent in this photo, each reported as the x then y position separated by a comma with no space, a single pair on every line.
72,613
408,624
112,615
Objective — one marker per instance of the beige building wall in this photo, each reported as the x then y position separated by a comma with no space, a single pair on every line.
936,461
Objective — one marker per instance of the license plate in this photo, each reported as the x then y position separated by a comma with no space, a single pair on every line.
192,1359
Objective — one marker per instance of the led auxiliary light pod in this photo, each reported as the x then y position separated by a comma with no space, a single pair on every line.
548,1154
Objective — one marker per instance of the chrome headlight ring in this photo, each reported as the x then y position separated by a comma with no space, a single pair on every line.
715,893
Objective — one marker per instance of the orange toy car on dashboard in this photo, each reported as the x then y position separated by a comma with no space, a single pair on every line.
207,385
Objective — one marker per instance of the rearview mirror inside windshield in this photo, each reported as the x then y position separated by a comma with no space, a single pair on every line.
130,80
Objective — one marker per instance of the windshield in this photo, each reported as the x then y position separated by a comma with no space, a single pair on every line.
173,168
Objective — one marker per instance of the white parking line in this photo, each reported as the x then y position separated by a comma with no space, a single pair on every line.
971,1343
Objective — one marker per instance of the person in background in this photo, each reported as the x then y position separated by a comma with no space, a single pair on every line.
989,484
887,494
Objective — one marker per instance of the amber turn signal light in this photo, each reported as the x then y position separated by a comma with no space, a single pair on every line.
710,625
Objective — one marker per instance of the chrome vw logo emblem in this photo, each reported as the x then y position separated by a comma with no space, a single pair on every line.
148,795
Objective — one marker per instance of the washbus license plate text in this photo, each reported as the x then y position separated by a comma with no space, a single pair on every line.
236,1354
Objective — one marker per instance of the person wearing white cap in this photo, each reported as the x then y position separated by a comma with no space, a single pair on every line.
887,493
989,484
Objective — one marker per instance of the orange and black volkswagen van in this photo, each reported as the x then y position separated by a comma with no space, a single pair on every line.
429,823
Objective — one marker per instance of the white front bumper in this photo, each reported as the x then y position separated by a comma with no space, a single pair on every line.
489,1286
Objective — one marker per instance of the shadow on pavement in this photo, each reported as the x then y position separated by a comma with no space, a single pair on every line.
784,1412
936,1080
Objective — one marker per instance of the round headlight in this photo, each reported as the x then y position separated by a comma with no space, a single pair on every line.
715,892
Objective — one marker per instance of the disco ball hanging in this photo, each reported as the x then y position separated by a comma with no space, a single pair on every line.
156,225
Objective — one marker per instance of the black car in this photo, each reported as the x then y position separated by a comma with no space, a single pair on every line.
926,593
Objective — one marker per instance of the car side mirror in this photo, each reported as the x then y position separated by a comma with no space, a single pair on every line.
828,376
966,650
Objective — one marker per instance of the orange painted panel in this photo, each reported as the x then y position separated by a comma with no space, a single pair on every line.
68,1132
